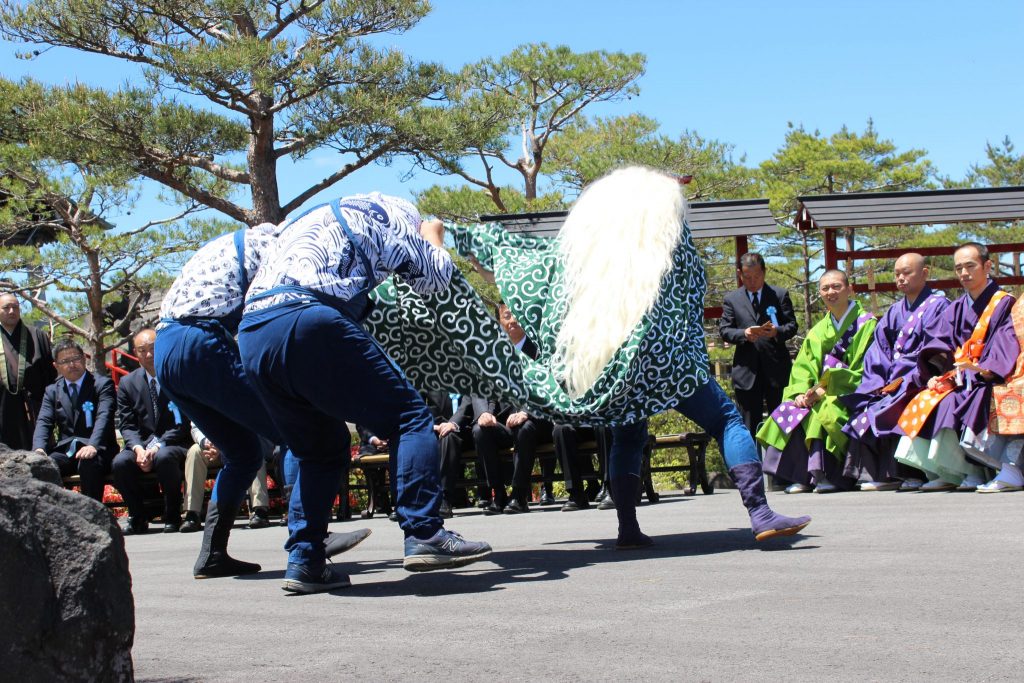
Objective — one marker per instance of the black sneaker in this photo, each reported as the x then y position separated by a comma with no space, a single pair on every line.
302,579
444,550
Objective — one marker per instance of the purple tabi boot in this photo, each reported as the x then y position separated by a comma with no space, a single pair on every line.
764,522
623,490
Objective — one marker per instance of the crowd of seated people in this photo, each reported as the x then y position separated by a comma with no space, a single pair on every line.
928,397
924,399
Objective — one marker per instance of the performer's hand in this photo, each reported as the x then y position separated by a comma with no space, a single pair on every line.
486,420
487,275
933,382
516,419
86,453
801,401
444,429
433,232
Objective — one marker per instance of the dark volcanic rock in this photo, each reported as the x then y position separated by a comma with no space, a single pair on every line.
67,612
24,464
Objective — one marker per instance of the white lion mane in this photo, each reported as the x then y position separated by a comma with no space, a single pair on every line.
616,246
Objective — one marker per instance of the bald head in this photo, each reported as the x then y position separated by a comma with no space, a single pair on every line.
911,274
143,346
10,311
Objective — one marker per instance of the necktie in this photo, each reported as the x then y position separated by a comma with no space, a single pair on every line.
152,397
755,301
73,393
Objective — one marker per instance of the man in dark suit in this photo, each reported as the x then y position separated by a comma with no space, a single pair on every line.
501,426
81,406
156,438
26,369
757,319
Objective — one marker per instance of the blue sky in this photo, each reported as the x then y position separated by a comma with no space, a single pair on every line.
942,76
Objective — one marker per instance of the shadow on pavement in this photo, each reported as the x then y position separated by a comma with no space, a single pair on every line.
541,564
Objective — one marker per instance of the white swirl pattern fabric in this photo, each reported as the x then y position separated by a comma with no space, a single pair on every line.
208,285
450,341
314,253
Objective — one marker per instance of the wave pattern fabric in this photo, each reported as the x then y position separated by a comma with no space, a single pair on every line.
450,340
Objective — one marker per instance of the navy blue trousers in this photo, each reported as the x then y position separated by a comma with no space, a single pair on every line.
315,369
198,365
711,409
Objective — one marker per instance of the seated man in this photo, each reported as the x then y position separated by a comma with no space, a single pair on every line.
156,437
203,455
972,348
876,406
1002,447
576,465
804,440
81,406
452,425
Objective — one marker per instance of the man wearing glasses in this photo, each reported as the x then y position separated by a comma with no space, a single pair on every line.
26,368
81,407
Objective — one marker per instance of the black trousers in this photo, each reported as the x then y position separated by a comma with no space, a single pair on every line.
576,465
757,402
91,471
167,465
524,439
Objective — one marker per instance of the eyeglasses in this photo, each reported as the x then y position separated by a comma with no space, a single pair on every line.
71,361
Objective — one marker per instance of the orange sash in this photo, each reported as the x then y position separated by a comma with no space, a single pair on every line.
1007,412
915,415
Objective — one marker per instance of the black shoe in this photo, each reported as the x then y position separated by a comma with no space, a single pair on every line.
570,506
516,507
393,516
607,503
493,509
136,527
221,564
445,511
191,523
260,518
337,543
545,497
172,526
483,503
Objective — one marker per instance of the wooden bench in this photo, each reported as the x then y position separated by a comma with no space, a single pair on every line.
374,468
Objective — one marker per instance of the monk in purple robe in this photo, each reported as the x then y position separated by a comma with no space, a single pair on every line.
884,391
935,427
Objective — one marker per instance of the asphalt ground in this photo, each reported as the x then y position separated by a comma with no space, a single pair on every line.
881,586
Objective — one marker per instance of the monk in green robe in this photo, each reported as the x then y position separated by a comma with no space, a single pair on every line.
803,438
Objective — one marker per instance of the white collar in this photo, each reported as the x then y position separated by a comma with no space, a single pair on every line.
78,384
521,343
839,323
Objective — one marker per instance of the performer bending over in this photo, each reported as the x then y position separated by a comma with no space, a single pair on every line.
316,368
198,365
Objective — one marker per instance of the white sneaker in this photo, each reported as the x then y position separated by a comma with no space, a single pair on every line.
798,488
911,485
825,486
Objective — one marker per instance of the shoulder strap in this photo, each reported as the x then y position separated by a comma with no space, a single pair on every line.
243,278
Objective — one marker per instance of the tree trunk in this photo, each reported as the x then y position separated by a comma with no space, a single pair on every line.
266,200
95,299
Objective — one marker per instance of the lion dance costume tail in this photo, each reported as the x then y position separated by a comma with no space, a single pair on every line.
616,247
